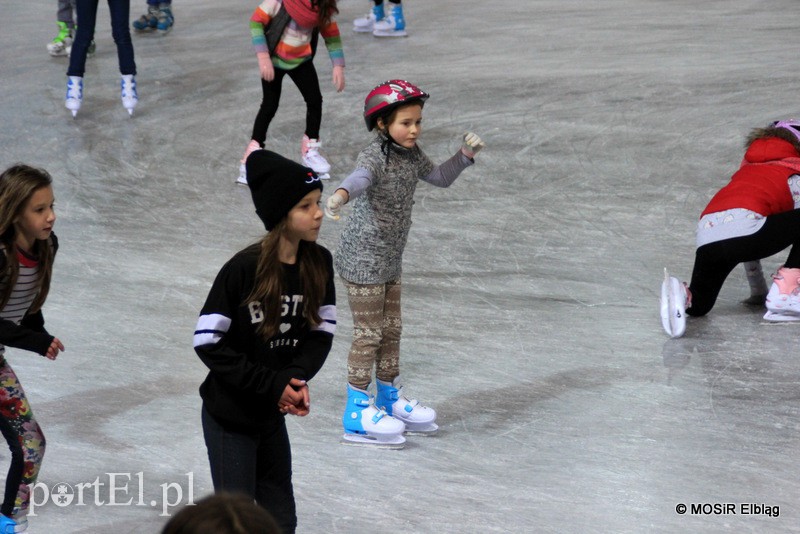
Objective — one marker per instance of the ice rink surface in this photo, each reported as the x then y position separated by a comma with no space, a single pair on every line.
531,286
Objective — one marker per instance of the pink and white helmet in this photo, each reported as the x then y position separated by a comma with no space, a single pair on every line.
389,95
789,124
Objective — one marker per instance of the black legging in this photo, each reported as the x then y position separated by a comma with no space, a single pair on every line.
715,261
305,78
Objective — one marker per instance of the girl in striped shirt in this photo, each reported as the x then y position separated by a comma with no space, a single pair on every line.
27,249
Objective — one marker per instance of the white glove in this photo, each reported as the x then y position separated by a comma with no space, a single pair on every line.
471,145
334,205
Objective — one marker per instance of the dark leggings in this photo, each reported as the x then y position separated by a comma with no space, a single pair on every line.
305,78
87,17
715,261
258,464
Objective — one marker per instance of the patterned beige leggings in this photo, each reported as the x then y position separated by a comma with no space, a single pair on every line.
377,326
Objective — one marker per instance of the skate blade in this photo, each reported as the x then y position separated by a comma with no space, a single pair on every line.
391,33
359,440
426,430
780,318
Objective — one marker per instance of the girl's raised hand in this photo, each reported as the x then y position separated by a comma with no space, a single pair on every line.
55,347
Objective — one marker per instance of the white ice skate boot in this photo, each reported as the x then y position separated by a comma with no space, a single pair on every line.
417,418
366,23
364,424
74,96
253,145
783,299
128,92
394,25
61,43
674,301
312,158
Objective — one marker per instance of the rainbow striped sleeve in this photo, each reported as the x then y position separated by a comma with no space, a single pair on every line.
259,21
333,42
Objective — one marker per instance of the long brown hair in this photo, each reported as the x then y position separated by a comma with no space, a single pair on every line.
268,287
18,183
326,8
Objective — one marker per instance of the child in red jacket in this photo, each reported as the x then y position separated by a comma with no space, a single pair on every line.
756,215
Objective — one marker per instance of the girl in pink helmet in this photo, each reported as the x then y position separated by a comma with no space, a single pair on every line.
756,215
369,259
285,35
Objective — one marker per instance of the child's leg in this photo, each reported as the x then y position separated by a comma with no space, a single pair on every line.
387,363
87,18
306,79
231,456
367,304
64,13
24,438
269,106
120,12
274,490
715,261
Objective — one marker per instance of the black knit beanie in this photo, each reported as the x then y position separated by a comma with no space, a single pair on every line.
277,184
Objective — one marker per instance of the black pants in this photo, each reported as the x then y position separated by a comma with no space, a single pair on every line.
87,17
305,78
258,464
715,261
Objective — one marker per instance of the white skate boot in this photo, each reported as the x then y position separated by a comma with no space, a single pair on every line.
366,23
417,418
128,92
74,96
364,424
674,301
394,25
312,158
783,299
253,145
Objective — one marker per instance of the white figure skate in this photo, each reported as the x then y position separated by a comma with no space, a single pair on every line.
313,159
364,424
418,419
783,299
673,305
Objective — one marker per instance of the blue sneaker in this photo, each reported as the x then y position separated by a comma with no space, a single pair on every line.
7,525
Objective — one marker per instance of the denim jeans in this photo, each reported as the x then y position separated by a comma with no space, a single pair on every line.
87,18
256,463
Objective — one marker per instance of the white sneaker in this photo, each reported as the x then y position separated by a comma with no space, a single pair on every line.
74,96
128,92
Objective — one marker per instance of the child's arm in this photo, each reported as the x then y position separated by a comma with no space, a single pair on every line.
445,174
212,344
333,42
313,350
258,22
352,186
24,337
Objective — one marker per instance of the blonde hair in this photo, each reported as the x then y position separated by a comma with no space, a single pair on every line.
18,184
268,287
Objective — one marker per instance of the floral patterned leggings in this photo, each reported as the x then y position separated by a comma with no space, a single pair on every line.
377,326
24,438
